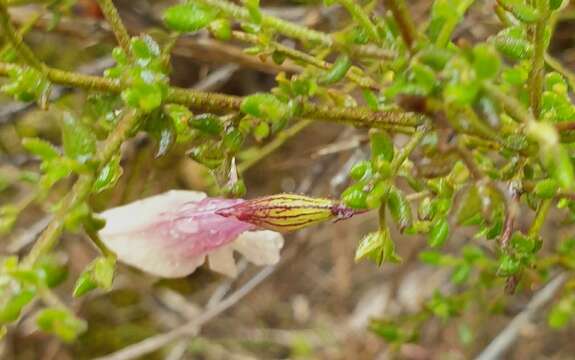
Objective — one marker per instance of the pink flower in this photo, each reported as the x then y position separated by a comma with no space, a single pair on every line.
171,234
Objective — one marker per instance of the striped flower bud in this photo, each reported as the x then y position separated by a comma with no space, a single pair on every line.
287,212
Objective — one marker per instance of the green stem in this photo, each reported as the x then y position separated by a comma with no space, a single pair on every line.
95,237
16,40
285,27
539,48
111,14
405,151
451,23
404,21
296,31
81,189
273,145
361,80
511,104
362,18
24,29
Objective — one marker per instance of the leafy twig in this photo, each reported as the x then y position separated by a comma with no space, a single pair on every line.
216,102
81,189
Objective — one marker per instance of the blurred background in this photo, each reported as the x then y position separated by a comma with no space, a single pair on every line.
317,303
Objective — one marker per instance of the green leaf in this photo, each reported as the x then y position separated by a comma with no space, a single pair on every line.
144,96
55,170
486,62
78,140
508,266
469,212
520,10
41,148
461,273
337,71
264,106
423,77
378,247
262,131
355,196
381,145
108,176
99,274
209,124
144,47
556,4
377,194
52,270
233,140
360,170
61,322
512,43
180,116
546,189
438,233
27,84
208,155
555,82
189,17
561,167
400,208
11,306
221,29
253,7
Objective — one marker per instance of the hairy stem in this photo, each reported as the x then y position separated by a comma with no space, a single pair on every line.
362,18
539,48
296,31
303,57
284,27
16,40
403,154
118,28
216,102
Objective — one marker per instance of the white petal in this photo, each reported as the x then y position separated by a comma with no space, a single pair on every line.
133,216
160,252
222,261
260,247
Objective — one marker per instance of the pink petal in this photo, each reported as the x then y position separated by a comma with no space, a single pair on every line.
170,234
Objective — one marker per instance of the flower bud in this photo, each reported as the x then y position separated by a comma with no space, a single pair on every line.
287,212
